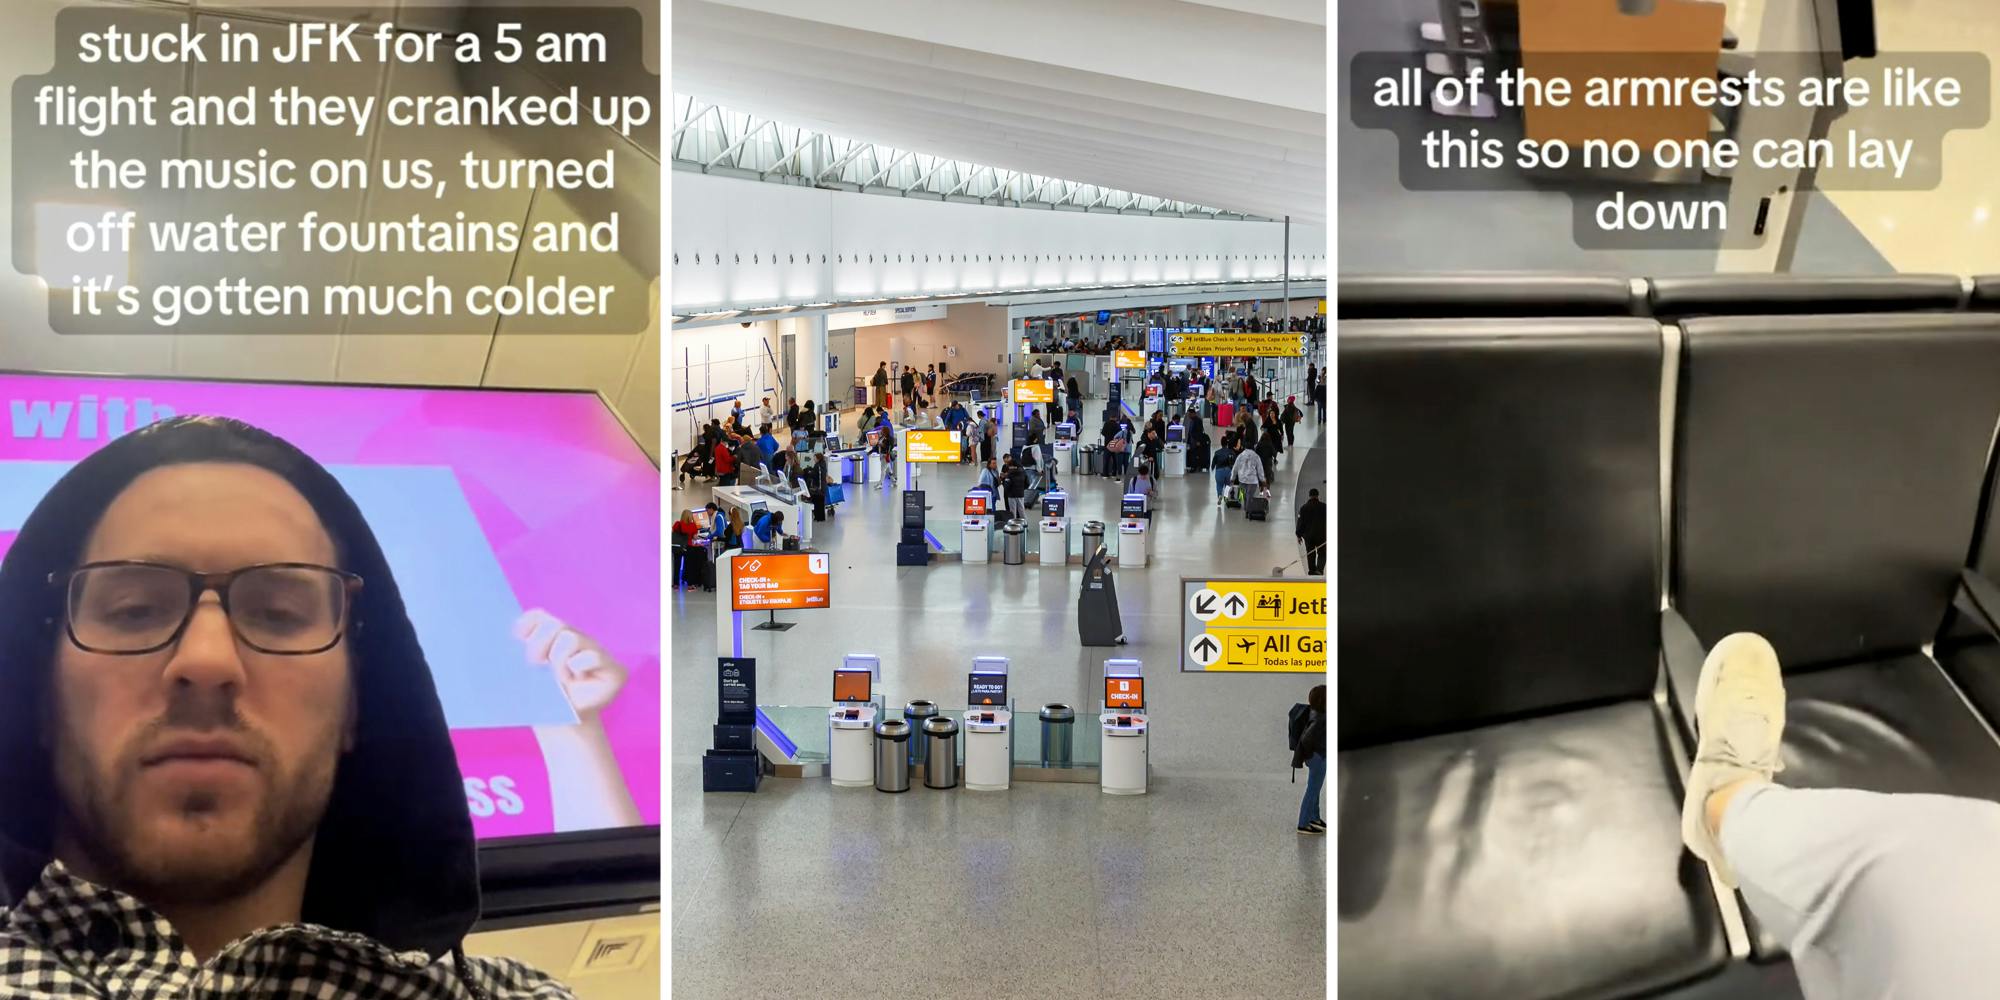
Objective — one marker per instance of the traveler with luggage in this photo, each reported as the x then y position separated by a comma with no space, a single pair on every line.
1311,533
1249,471
1014,480
1307,736
1224,458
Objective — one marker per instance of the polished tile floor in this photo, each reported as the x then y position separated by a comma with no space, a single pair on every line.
1200,889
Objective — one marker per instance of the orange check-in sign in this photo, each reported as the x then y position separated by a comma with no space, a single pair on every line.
1034,390
779,581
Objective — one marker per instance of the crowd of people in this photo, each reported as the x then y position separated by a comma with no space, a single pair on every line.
1234,427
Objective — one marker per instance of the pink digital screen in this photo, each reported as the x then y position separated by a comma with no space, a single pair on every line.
490,505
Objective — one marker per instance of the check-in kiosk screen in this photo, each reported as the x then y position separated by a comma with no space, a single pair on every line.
1052,506
1132,507
1176,434
1124,692
852,686
976,505
984,690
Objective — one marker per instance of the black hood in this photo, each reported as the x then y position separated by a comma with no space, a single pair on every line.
394,857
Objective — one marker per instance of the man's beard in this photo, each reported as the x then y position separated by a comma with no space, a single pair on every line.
98,804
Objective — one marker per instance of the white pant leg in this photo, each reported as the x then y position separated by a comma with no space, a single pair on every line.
1876,896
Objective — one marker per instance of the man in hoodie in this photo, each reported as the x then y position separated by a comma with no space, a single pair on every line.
224,770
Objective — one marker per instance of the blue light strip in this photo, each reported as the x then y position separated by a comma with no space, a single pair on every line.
736,620
777,736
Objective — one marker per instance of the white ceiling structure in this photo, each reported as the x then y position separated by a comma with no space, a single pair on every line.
1221,102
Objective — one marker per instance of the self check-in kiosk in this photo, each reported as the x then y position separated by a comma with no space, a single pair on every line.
1123,724
1134,522
1065,446
1173,459
989,726
1155,398
975,529
852,721
1055,529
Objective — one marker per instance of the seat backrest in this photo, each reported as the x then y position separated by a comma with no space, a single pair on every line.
1986,292
1499,520
1827,476
1460,296
1787,294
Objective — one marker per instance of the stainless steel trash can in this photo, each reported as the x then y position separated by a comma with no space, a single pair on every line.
917,713
1093,536
941,751
1014,542
1058,734
892,762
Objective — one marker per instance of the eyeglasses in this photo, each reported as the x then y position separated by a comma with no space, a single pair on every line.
133,607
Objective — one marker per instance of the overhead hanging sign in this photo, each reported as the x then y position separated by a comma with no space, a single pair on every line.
883,316
1128,359
1253,625
1227,345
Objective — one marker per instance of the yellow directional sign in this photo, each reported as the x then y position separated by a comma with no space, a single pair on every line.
1226,345
1254,624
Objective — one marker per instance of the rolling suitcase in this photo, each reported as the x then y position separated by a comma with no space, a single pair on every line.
1256,508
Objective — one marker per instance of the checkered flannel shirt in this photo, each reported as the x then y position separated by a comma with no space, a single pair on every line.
69,939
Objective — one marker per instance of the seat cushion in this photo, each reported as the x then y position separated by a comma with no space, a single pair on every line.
1986,291
1976,668
1887,725
1530,859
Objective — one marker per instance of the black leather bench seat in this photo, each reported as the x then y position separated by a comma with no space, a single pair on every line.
1887,725
1539,858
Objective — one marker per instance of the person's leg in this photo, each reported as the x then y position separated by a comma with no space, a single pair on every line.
1309,805
1873,894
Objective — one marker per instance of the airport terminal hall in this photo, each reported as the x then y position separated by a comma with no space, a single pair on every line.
999,475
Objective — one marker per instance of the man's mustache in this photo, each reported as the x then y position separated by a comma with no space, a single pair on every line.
201,713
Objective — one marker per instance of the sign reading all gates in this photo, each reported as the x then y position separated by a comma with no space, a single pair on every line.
1233,345
1253,625
776,581
931,446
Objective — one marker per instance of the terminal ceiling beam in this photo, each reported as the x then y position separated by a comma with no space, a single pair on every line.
1239,123
706,134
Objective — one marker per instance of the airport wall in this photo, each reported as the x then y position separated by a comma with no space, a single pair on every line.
977,332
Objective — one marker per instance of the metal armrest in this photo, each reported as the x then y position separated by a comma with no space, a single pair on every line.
1684,653
1978,599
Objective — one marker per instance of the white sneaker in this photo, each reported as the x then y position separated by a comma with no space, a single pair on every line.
1739,710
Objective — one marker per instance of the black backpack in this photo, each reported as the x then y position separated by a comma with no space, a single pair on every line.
1299,722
